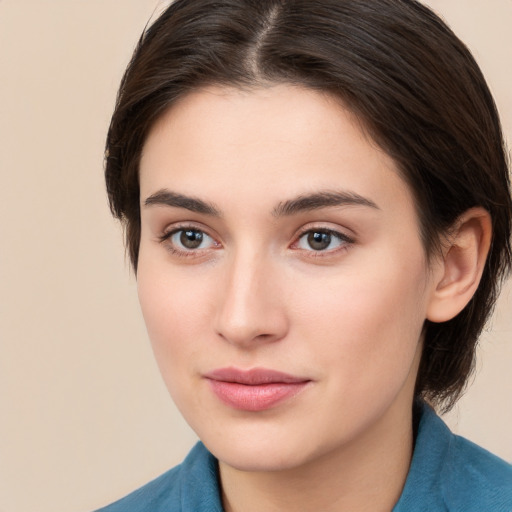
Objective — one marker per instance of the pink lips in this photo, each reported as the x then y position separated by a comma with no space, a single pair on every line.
254,390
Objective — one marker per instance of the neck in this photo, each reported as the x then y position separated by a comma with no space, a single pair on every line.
368,474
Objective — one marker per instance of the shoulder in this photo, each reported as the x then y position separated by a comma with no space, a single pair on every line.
451,474
472,473
191,486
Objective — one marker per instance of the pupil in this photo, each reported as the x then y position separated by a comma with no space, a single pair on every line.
191,239
319,241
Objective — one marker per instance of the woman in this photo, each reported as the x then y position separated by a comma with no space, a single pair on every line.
317,207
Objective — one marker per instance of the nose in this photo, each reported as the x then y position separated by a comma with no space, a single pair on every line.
251,309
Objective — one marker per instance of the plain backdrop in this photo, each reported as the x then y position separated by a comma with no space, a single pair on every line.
84,415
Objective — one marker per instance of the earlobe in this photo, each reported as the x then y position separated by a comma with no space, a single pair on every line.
461,266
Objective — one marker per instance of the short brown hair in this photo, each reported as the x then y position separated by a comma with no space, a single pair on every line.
413,84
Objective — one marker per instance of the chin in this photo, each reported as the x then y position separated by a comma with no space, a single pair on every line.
261,448
257,458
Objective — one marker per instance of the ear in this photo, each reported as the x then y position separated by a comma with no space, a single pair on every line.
460,268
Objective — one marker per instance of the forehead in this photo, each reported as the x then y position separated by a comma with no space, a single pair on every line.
265,143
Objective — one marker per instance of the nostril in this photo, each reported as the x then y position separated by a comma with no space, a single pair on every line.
249,337
264,336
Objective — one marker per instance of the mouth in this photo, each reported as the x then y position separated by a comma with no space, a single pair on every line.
254,390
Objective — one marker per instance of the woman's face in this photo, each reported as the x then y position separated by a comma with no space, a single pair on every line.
281,275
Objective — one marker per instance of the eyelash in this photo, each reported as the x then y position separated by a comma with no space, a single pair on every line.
165,239
342,238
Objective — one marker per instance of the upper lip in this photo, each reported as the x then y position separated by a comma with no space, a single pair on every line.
254,376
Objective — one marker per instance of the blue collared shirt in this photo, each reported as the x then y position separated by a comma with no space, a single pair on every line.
448,474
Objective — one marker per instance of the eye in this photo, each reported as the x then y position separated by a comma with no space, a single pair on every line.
322,240
188,240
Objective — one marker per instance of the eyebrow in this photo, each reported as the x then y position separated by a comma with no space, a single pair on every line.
320,200
165,197
302,203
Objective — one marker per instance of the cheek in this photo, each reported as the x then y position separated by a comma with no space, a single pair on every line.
366,323
175,309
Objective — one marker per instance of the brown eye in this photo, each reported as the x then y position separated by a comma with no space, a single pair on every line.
191,238
322,240
319,241
188,240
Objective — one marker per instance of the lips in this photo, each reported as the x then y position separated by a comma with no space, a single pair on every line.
254,390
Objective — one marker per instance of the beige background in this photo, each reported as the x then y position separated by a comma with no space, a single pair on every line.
84,416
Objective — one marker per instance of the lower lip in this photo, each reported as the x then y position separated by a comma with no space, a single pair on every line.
255,397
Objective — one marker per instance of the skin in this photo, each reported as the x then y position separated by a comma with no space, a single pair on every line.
348,317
